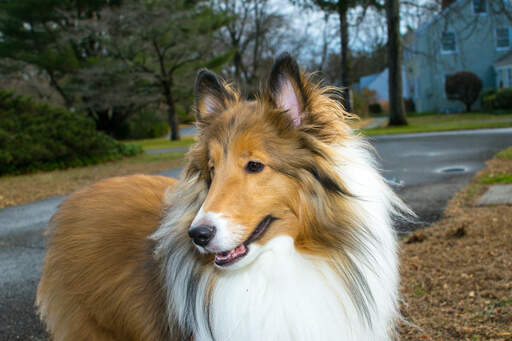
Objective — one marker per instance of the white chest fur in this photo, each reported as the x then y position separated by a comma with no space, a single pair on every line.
282,295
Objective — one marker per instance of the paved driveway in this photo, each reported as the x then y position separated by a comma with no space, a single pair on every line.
414,162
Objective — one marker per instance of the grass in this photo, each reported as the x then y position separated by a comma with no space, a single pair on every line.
16,190
500,178
163,143
442,122
505,154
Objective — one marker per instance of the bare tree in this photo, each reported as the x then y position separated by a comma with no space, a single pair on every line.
254,36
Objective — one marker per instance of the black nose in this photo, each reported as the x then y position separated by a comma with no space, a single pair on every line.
202,234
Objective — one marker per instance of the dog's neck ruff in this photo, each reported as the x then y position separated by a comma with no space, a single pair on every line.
283,294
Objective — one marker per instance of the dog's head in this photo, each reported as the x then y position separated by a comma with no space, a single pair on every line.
267,164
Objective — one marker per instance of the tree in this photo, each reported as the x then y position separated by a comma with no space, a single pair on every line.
32,31
341,8
396,103
162,40
253,35
110,92
463,86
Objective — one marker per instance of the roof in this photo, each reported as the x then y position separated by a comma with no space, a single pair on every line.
504,60
367,80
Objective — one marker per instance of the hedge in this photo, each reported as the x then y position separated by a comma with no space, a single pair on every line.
497,100
36,136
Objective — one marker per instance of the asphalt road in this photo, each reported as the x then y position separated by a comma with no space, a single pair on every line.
414,164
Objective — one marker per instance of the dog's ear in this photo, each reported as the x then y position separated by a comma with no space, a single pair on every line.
286,88
210,94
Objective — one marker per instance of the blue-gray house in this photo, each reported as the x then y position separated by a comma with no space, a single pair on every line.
468,35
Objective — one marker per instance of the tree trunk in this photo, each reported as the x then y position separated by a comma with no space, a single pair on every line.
345,67
68,102
468,107
171,113
396,103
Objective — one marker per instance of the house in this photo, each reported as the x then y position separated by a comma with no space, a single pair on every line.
503,68
378,82
468,35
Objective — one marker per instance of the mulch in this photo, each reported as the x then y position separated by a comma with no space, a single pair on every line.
456,275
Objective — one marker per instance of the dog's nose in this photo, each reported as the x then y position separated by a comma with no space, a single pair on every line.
201,235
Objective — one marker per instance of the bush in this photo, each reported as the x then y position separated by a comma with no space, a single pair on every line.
144,125
375,108
463,86
488,103
503,99
35,136
409,105
184,115
362,99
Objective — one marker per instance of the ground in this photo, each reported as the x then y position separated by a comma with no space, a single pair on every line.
444,122
457,273
411,163
21,189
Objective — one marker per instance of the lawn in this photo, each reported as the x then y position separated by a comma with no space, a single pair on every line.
163,143
445,122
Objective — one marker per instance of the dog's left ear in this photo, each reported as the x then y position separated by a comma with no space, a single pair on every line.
286,88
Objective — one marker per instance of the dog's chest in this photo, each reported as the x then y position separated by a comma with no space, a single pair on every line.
281,296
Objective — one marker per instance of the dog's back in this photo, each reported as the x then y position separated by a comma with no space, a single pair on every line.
99,276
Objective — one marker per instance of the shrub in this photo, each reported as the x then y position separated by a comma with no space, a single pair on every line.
463,86
144,125
375,108
409,105
185,114
35,136
362,99
503,99
488,103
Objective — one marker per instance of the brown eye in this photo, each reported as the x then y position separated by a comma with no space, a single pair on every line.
254,167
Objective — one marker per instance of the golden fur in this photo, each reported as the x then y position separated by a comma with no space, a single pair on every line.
99,280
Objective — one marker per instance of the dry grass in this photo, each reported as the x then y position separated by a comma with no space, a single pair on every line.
16,190
457,274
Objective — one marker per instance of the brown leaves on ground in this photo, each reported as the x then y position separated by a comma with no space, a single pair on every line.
457,274
21,189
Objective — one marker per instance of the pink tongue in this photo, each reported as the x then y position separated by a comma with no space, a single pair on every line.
231,255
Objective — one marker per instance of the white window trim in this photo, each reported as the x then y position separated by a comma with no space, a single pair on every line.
496,39
443,51
444,83
480,13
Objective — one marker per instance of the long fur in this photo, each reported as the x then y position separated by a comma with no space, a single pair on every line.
111,274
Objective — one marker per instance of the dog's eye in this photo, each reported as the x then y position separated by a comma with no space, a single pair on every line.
212,171
254,167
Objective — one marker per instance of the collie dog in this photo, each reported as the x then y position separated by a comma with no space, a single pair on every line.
280,228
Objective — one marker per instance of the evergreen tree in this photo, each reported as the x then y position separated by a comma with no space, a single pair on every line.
31,33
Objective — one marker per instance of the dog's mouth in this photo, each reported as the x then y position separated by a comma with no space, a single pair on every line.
229,257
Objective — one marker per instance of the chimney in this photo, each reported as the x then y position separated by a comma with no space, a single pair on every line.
446,3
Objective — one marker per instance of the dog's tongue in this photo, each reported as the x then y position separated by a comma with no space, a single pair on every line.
229,256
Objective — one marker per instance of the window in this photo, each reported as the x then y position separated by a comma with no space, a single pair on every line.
509,74
502,38
480,6
448,43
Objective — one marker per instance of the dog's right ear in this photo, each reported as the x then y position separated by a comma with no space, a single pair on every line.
210,94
